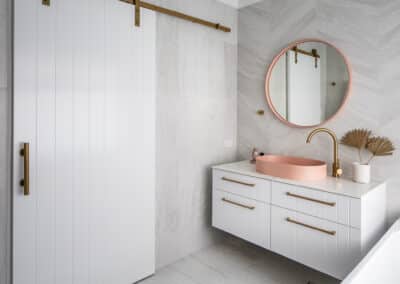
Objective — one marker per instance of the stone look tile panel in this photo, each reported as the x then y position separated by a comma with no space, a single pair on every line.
368,33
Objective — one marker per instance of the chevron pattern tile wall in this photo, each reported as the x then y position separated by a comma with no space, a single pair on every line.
368,32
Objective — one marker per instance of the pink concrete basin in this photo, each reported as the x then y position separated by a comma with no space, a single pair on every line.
291,167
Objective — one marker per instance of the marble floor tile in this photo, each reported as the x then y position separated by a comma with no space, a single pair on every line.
198,271
167,276
235,262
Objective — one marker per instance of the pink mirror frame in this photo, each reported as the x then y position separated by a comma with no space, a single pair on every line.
269,73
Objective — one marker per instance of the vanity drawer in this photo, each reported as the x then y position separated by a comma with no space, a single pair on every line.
246,186
325,205
326,246
242,217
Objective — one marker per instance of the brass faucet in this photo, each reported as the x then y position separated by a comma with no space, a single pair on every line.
336,170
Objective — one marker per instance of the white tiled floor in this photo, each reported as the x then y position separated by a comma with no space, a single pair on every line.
237,263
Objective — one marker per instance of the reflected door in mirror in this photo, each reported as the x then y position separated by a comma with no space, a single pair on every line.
307,83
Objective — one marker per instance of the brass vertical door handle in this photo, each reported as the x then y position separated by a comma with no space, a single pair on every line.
25,181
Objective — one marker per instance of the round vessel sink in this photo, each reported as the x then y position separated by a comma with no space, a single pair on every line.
291,167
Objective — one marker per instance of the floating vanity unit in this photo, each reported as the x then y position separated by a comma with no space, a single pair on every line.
328,225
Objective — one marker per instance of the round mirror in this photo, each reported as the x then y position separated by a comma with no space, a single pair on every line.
308,83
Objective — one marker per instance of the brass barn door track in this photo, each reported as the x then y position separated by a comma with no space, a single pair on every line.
140,4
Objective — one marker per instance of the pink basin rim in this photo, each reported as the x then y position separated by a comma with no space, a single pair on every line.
294,168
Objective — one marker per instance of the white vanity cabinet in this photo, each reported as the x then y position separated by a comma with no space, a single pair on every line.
328,225
242,217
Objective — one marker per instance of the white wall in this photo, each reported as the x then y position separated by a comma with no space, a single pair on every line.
368,33
5,139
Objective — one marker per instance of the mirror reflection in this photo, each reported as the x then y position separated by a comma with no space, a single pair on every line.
308,83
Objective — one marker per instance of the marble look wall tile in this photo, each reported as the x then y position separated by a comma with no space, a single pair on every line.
368,33
211,10
196,123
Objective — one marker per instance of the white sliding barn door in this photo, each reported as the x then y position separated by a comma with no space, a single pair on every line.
84,98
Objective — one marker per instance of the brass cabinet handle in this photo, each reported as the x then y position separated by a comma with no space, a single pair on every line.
332,233
25,181
311,199
238,204
239,182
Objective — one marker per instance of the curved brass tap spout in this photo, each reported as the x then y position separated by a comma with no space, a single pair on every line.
336,170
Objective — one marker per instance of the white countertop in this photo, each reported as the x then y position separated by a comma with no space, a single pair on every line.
340,186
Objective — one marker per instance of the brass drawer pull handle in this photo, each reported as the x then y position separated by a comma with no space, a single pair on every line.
238,204
239,182
332,233
311,199
25,181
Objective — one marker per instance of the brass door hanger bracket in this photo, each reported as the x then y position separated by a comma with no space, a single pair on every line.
137,13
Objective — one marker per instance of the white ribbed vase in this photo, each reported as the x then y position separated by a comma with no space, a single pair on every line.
361,173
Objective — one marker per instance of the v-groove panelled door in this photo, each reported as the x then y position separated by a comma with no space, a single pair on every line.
84,100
